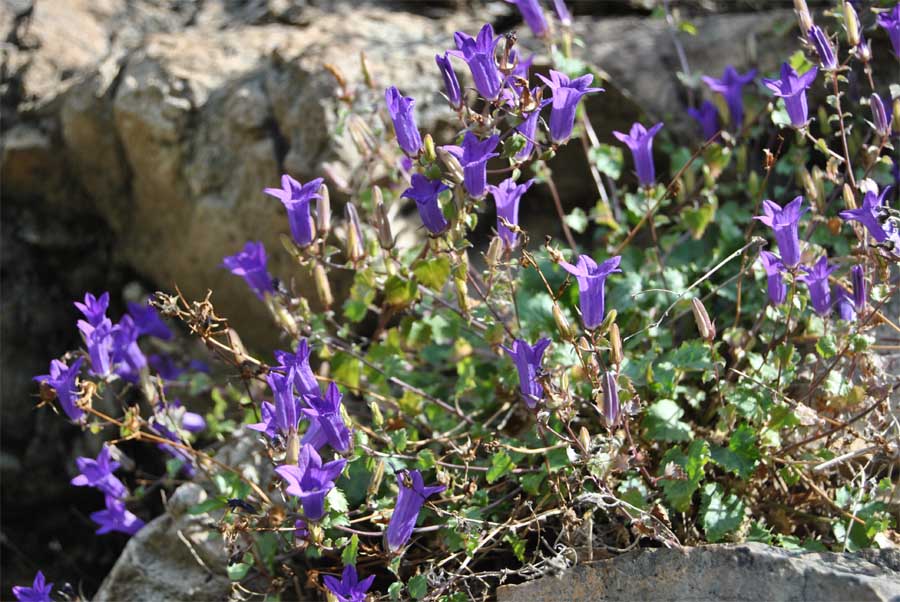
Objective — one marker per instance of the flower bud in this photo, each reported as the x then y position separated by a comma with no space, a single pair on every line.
608,321
361,135
849,198
451,165
824,49
803,15
495,251
851,22
879,116
584,439
864,50
292,448
323,212
462,295
562,325
610,398
704,324
375,481
355,241
382,223
377,417
430,153
896,118
323,288
615,345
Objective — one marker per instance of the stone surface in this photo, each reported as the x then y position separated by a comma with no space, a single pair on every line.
747,572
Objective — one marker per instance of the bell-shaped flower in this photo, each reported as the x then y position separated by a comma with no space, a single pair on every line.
38,592
640,141
816,279
528,364
707,116
473,156
843,302
326,422
94,308
792,88
349,588
880,118
147,321
64,380
401,110
311,481
775,284
250,264
611,407
116,518
100,343
858,276
304,380
533,16
528,130
269,424
410,500
479,56
566,96
784,223
451,82
128,358
592,286
869,215
507,196
562,12
823,48
890,22
425,193
297,199
287,408
731,86
99,474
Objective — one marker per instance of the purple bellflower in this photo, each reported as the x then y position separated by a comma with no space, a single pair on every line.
128,358
823,48
775,284
300,529
100,342
63,379
99,473
297,198
566,96
880,118
843,302
148,322
326,423
116,518
784,223
269,425
410,500
565,17
528,130
611,407
425,193
528,364
304,380
349,588
311,481
816,279
890,22
401,109
640,141
730,86
858,276
792,88
479,55
94,308
507,196
592,286
250,264
708,118
38,592
287,408
533,16
473,156
868,214
451,82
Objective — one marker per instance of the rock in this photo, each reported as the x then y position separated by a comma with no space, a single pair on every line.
746,572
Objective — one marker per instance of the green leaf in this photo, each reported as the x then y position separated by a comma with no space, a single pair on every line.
531,482
577,220
679,491
501,464
720,514
517,544
433,273
348,556
826,346
395,588
418,587
608,159
742,453
207,505
698,219
346,369
337,501
400,292
663,422
425,459
239,570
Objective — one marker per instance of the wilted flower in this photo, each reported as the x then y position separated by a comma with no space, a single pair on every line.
451,82
250,264
99,473
304,380
38,592
565,17
823,48
890,22
147,321
326,423
708,118
401,109
774,280
507,196
816,279
792,88
63,379
473,156
730,86
640,141
611,408
425,193
879,116
297,198
349,588
94,308
566,96
311,481
784,223
858,276
533,16
591,286
868,214
116,518
410,500
479,55
528,364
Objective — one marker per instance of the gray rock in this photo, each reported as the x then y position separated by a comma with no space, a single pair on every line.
746,572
